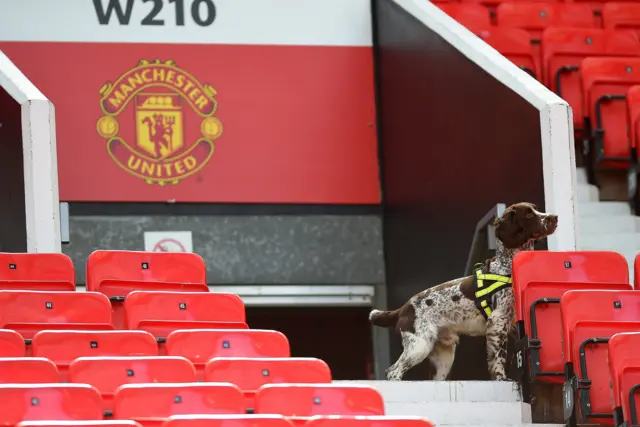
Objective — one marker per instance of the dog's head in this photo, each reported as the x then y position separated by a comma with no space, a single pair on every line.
522,223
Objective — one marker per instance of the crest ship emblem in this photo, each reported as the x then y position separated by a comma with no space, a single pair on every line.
159,122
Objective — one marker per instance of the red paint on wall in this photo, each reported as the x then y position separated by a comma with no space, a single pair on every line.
293,124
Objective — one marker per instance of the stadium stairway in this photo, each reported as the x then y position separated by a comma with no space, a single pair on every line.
606,225
456,403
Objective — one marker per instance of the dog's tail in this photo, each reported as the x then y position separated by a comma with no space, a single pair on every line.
385,319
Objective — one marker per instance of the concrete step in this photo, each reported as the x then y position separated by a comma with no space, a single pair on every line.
464,412
589,209
608,224
581,175
588,193
444,391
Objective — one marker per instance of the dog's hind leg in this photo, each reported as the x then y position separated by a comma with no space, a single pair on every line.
416,349
442,358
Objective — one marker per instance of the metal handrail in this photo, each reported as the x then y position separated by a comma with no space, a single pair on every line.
484,226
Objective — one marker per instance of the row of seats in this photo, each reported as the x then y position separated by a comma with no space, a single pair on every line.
151,404
249,421
589,295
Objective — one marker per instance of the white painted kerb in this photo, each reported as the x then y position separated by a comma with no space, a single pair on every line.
556,120
40,159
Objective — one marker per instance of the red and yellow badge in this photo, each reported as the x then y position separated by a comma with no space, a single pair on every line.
148,106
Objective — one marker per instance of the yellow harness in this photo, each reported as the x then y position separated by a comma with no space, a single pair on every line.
485,285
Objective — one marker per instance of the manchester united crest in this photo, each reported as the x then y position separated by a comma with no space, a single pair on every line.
159,122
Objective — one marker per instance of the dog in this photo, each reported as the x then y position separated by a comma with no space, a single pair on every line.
431,321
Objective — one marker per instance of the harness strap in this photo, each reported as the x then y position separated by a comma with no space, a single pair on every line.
487,284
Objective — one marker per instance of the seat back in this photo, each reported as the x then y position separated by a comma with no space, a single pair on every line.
152,404
117,273
161,313
605,82
367,421
624,366
11,344
108,373
63,347
539,275
27,370
589,315
636,261
468,14
28,312
301,401
249,374
563,50
536,16
227,421
201,345
633,118
33,402
621,16
37,272
101,423
514,44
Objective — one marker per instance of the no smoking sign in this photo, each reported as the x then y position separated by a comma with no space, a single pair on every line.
168,241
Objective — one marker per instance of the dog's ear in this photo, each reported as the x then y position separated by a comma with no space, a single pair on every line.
508,231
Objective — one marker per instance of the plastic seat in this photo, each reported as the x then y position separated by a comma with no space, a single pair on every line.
589,320
563,50
28,312
161,313
493,4
540,278
201,345
636,261
597,7
28,370
33,402
108,373
117,273
514,44
152,404
469,15
37,272
367,421
633,118
227,421
605,82
621,16
249,374
624,366
302,401
62,347
102,423
11,344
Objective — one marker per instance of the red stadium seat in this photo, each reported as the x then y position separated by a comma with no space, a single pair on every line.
116,273
227,421
28,312
201,345
28,370
102,423
589,320
605,82
34,402
540,278
62,347
469,15
535,17
624,366
514,44
152,404
11,344
302,401
621,16
597,6
367,421
563,50
636,261
493,4
161,313
633,118
252,373
108,373
37,272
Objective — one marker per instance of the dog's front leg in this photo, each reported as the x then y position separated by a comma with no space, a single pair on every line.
497,332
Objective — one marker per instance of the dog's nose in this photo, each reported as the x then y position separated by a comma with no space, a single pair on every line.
553,219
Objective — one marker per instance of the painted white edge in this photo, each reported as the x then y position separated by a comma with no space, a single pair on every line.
253,22
40,159
556,120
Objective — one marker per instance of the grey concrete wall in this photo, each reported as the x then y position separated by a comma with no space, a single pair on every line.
251,249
